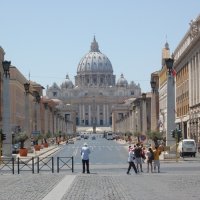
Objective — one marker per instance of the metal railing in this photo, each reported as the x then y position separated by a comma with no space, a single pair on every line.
7,165
29,164
65,163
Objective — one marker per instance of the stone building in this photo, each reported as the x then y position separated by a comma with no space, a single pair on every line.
187,66
94,92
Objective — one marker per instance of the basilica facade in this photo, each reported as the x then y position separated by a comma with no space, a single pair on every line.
94,92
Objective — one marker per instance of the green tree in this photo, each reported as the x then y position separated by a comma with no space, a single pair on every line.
155,136
20,137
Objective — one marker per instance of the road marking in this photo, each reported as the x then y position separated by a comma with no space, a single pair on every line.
60,189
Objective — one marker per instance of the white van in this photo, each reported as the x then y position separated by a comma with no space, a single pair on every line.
187,147
109,136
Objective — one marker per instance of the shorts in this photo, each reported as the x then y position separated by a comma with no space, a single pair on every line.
157,163
138,160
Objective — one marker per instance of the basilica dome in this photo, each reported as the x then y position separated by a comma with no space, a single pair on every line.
94,69
122,82
67,83
94,62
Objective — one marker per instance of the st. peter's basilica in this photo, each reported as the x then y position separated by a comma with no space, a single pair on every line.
95,90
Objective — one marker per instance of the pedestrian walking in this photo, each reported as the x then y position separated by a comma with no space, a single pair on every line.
157,153
150,158
131,158
143,155
85,151
138,157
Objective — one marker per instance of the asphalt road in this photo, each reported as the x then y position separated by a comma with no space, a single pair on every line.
108,179
103,153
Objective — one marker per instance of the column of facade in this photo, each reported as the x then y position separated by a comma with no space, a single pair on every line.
55,122
37,117
190,81
128,121
144,117
138,121
104,114
198,82
114,125
46,119
193,77
131,121
80,114
83,113
107,115
98,120
195,80
98,80
50,121
89,114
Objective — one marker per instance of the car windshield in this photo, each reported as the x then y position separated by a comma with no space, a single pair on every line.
189,143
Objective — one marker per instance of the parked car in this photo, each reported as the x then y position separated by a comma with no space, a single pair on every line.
86,136
70,141
78,138
93,137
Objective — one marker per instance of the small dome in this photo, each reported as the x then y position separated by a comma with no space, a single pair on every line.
122,82
67,83
54,86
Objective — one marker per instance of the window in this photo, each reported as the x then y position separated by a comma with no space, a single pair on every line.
54,94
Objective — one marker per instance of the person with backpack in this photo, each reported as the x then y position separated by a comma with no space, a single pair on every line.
138,157
150,158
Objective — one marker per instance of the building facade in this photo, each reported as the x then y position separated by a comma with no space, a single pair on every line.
187,66
95,90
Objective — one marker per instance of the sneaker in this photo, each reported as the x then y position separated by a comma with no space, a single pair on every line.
128,173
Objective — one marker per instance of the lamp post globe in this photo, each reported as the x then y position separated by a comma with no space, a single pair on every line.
6,68
26,87
169,64
153,85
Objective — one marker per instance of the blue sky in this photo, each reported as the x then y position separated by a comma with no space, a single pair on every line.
48,38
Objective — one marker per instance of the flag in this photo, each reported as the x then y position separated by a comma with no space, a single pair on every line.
173,72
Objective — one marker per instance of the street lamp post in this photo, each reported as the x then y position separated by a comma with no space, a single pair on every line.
27,122
27,114
7,144
170,101
153,106
37,113
144,114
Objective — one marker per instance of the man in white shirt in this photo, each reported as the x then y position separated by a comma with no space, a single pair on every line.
131,158
85,151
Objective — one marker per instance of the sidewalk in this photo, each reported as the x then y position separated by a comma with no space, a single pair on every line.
45,151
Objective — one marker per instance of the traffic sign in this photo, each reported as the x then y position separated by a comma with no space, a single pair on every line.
35,132
143,137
